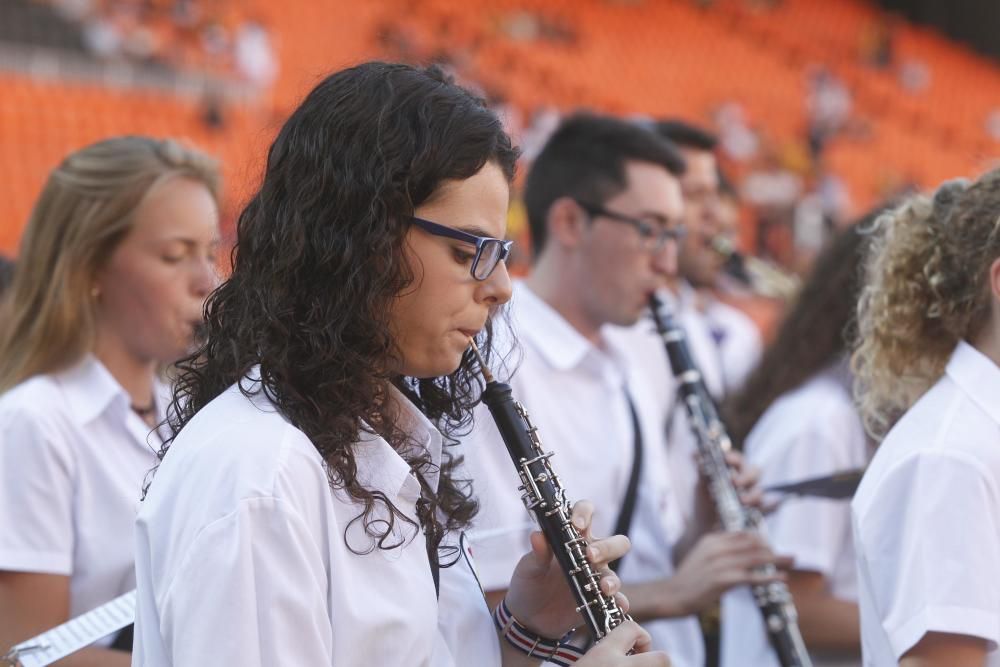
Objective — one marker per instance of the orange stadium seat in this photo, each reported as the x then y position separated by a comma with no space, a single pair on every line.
659,58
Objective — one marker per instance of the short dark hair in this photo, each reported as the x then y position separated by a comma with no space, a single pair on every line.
686,135
585,159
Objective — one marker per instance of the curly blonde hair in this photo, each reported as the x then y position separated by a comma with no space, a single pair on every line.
926,289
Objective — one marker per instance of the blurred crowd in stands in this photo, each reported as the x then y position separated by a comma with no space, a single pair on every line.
218,37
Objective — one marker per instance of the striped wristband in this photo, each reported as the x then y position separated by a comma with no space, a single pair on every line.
527,642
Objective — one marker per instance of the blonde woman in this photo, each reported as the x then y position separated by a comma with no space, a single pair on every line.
927,515
113,270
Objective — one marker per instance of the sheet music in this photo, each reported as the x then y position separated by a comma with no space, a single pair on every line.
75,634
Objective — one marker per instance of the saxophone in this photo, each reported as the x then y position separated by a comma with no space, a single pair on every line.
543,494
763,277
773,599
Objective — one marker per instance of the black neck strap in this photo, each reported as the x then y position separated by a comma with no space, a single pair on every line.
624,523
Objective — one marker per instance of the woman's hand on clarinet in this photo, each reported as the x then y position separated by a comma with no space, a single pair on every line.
746,479
539,596
613,651
716,563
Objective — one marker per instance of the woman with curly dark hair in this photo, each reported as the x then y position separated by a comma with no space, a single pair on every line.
795,419
308,509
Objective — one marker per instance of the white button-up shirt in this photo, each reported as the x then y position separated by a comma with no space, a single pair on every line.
73,457
737,341
809,432
575,395
246,556
927,517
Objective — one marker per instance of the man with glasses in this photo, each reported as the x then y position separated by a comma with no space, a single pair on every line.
604,208
723,340
736,338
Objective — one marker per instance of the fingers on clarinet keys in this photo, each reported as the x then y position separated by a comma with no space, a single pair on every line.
608,550
613,650
720,561
746,479
602,552
582,514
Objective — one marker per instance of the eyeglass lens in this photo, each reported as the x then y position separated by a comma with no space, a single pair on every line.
489,257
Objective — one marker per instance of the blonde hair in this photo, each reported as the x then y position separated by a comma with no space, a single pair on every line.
84,211
926,289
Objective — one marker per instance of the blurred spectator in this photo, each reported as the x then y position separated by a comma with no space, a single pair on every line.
993,124
102,37
182,34
817,216
828,106
736,139
254,54
810,228
915,76
835,198
216,44
770,186
544,122
878,42
528,26
773,192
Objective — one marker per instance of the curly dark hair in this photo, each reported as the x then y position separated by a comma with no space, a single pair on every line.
813,335
318,262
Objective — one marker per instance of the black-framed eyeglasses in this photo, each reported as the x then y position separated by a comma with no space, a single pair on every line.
489,251
654,235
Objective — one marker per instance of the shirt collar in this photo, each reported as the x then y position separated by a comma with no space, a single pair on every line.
423,434
380,466
562,346
91,389
977,376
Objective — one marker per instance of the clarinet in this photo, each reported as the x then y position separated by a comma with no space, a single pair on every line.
773,599
544,496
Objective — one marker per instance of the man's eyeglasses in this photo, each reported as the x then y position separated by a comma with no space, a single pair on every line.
489,251
653,234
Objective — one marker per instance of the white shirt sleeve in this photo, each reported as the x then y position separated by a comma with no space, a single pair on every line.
258,574
931,541
36,495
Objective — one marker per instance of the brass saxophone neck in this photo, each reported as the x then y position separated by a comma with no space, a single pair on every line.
765,278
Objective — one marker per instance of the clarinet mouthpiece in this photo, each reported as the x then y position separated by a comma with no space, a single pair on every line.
482,363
